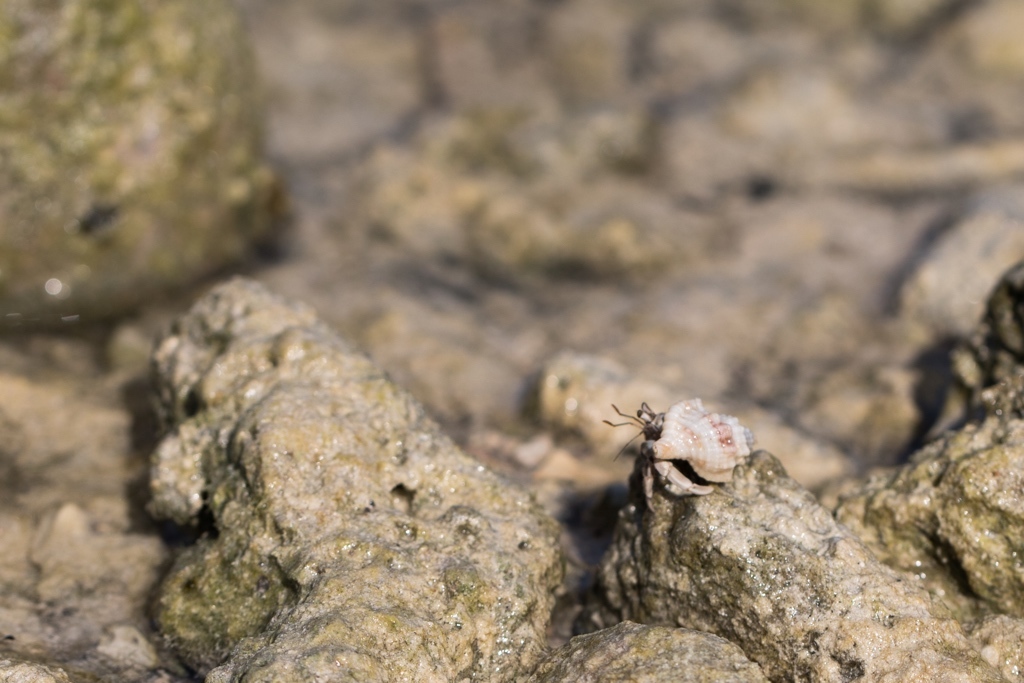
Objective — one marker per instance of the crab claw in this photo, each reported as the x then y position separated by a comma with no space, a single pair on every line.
678,483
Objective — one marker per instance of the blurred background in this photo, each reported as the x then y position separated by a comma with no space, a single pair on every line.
524,210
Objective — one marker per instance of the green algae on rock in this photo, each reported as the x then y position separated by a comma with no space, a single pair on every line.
952,519
636,653
1000,640
761,563
129,152
353,540
991,363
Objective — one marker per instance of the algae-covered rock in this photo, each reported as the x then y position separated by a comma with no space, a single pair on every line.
631,652
991,364
129,152
1000,640
351,539
761,563
636,653
953,519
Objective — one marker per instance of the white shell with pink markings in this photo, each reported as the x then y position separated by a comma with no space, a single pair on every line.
712,443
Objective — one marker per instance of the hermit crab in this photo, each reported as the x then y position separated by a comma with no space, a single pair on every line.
711,444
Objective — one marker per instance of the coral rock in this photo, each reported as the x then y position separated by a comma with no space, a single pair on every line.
353,540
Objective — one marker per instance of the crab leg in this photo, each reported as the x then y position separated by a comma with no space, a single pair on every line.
678,483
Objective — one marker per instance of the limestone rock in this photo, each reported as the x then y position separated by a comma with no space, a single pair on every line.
952,519
352,539
635,653
761,563
1000,640
986,39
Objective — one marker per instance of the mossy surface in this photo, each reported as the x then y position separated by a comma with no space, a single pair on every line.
353,541
952,518
636,653
130,144
761,563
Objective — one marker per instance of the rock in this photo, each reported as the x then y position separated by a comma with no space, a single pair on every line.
73,559
65,432
951,520
1000,640
635,653
904,18
63,583
760,563
811,461
689,51
952,517
353,539
778,106
12,671
990,364
485,55
587,51
79,559
869,412
125,644
130,152
948,289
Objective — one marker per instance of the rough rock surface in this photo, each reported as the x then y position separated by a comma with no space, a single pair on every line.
991,364
351,539
762,564
1000,640
637,653
953,519
129,152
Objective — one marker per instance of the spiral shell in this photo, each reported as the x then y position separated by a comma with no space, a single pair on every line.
712,443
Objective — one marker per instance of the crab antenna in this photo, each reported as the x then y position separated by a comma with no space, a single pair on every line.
626,445
632,422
